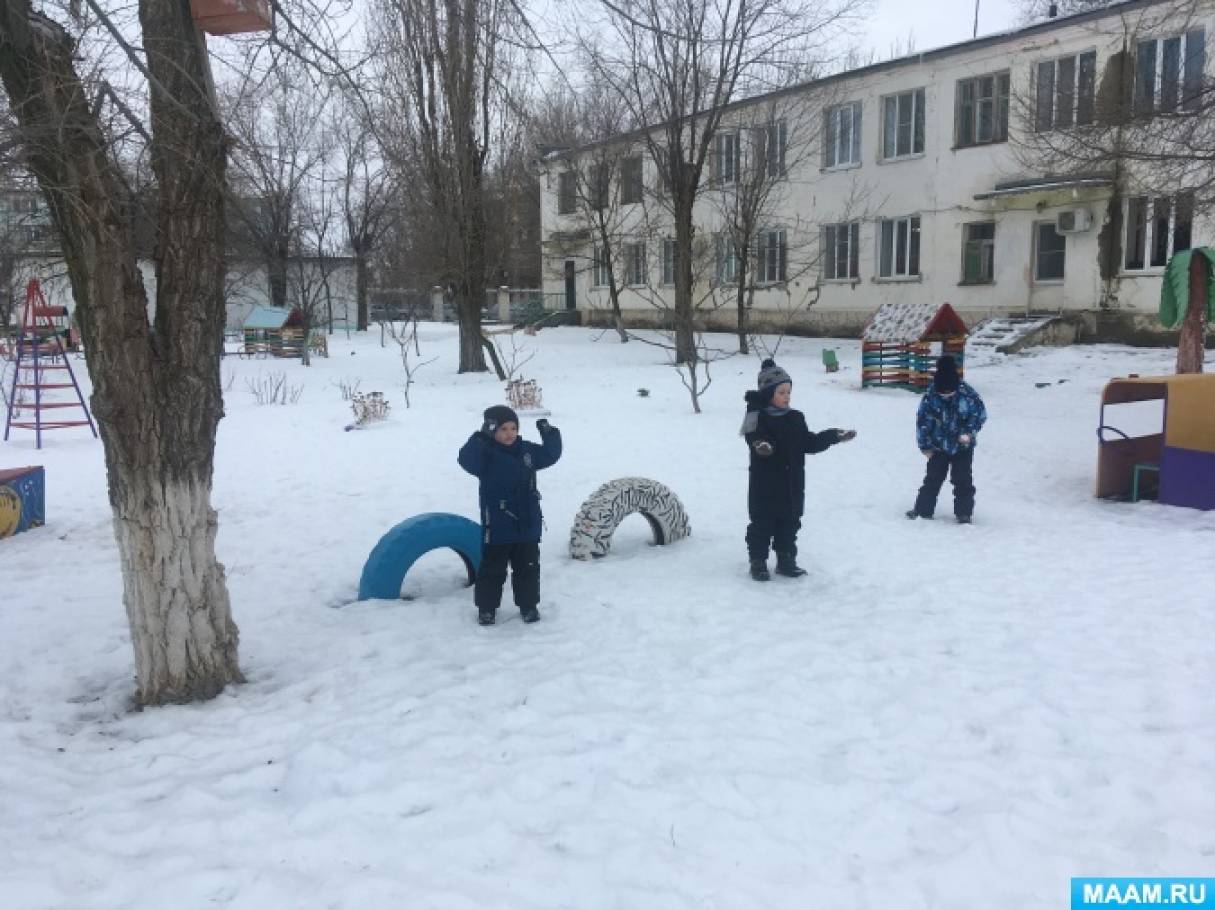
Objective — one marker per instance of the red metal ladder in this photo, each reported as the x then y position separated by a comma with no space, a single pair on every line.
40,364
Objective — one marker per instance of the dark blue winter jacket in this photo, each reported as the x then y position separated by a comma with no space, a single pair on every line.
510,502
940,421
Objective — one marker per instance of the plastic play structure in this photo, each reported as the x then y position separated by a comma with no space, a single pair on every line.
608,506
1178,460
899,344
39,398
402,546
22,499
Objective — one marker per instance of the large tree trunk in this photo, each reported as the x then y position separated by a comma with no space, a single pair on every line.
1191,345
156,389
277,269
360,286
685,330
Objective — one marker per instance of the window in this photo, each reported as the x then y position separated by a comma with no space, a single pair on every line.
600,186
773,257
567,196
634,263
668,260
903,124
601,274
726,260
981,110
727,155
979,252
841,251
842,135
1050,250
1064,91
1168,73
899,247
1156,228
631,185
775,140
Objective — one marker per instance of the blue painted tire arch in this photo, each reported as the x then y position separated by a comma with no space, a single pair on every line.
402,546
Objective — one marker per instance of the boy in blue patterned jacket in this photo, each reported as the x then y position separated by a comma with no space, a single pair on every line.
950,417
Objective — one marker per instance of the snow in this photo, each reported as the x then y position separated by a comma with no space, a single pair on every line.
936,717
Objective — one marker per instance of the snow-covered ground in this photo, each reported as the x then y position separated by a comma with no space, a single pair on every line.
938,716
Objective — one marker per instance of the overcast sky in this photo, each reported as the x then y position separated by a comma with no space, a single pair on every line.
934,23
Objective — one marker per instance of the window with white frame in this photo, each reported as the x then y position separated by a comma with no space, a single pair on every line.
903,124
1169,73
981,110
1050,252
727,156
841,251
601,273
1065,91
979,252
634,264
899,247
632,185
1156,228
668,260
726,259
773,256
842,135
776,138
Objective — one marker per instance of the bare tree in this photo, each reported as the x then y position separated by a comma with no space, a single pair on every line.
367,199
156,384
277,122
444,67
679,65
1145,124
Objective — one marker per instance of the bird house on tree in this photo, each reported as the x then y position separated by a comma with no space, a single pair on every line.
232,17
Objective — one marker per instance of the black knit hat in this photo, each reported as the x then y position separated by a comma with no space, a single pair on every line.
498,415
770,376
946,376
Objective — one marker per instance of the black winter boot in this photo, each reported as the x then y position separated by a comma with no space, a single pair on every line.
485,617
786,564
759,570
530,614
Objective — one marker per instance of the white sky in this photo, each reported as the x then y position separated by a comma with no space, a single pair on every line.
934,23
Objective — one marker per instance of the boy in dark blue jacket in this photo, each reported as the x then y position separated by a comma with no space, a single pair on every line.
510,508
779,441
946,425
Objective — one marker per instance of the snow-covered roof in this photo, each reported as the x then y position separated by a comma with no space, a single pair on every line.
903,323
267,317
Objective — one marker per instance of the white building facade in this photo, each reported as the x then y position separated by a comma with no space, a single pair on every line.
913,179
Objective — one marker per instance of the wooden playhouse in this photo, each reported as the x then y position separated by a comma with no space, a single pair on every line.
273,331
902,341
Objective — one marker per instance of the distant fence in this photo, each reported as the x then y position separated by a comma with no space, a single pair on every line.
527,305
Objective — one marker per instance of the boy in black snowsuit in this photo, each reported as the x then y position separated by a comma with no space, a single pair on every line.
778,440
510,509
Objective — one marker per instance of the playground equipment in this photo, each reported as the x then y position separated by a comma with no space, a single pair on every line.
898,347
608,506
830,361
40,361
402,546
1179,455
273,331
22,500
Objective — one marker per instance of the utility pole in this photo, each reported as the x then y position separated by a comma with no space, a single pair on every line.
975,34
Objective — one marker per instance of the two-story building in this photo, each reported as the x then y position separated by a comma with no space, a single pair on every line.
926,178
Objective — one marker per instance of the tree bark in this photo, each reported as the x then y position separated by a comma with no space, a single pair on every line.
1192,342
360,287
157,395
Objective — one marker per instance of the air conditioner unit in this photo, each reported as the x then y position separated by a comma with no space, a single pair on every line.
1073,221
